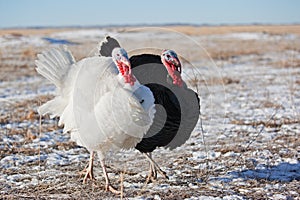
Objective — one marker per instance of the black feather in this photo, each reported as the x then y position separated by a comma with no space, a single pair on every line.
107,46
177,109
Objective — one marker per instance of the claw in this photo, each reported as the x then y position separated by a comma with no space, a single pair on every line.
108,186
88,171
112,189
88,175
154,168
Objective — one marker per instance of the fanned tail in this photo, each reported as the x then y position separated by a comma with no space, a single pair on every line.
55,65
107,45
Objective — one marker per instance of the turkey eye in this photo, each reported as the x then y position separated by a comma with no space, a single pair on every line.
168,56
142,101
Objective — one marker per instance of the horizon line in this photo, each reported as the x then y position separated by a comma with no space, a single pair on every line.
148,25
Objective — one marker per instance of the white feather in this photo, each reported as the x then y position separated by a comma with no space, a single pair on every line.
94,104
57,65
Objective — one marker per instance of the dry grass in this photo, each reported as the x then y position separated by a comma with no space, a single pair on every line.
26,32
208,30
68,184
189,30
29,53
226,49
230,49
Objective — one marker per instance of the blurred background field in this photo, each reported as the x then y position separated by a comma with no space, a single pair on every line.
243,58
248,83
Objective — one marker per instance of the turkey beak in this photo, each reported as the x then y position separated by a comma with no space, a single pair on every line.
175,61
126,62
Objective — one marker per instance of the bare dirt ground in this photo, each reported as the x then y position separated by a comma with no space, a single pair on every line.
248,146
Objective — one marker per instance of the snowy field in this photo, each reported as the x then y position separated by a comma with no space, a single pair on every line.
246,145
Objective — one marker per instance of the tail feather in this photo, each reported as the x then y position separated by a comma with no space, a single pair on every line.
44,70
107,45
48,61
55,65
54,107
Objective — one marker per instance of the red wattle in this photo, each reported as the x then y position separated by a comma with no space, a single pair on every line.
129,79
174,74
126,72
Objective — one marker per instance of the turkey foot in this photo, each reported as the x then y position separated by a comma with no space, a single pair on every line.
112,189
154,168
108,186
88,171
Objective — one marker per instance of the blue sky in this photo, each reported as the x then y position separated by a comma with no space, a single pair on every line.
24,13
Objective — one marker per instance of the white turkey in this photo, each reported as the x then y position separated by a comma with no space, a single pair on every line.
177,106
99,101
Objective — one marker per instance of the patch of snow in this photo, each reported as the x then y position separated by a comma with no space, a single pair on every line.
203,155
25,88
283,172
11,41
231,154
246,36
81,34
232,197
253,36
204,198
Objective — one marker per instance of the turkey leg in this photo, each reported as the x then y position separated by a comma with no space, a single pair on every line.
154,168
89,169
